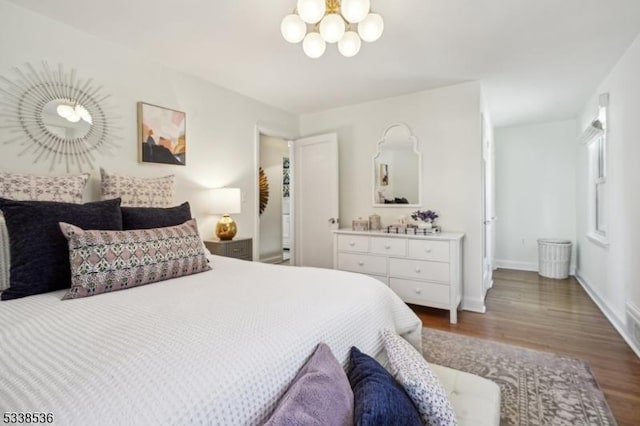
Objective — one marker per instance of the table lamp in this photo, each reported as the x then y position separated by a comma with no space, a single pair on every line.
225,201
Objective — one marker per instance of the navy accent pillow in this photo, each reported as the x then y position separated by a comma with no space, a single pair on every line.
154,217
378,399
39,251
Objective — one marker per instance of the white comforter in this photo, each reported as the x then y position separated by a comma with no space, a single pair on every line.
213,348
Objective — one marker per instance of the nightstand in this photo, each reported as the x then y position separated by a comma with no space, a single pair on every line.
240,248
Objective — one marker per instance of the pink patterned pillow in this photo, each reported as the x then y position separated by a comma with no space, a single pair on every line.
22,187
138,192
104,261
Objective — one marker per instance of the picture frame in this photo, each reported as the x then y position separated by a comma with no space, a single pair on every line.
384,174
162,135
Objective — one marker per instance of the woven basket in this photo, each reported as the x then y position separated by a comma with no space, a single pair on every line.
554,258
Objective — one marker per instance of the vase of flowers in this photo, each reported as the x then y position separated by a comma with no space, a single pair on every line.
426,218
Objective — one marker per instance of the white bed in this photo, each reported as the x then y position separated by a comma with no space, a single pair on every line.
218,347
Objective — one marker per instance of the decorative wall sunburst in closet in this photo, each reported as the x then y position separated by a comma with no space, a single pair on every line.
264,190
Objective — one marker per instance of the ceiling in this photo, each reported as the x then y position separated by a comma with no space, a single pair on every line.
538,60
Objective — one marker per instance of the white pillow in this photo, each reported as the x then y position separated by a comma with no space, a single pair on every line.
138,192
24,187
412,371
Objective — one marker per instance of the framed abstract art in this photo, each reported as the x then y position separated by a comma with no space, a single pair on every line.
162,135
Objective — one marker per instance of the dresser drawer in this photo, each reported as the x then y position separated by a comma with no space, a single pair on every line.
421,293
429,250
419,270
240,248
389,246
374,265
357,243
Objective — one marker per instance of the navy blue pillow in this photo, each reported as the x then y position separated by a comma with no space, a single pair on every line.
154,217
39,251
378,399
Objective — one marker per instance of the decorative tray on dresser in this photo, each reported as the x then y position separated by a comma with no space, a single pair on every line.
422,269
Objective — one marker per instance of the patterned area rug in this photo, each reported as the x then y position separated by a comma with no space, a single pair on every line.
538,388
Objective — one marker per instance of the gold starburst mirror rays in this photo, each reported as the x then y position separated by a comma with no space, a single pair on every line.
264,191
56,116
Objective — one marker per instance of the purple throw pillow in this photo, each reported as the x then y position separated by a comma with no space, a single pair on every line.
320,394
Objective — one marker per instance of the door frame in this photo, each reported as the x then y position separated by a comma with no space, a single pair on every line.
276,132
488,205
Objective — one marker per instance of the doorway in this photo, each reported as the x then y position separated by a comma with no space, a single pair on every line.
274,221
302,222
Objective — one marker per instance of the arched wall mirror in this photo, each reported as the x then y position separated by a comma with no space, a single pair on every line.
397,169
56,116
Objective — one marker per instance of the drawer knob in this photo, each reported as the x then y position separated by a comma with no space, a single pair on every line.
427,250
418,290
361,263
387,246
352,243
418,270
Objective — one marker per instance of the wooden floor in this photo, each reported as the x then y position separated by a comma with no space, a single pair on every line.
555,316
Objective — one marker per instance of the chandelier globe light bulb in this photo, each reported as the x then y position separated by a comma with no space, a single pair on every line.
371,28
311,11
293,28
355,11
314,45
332,28
349,44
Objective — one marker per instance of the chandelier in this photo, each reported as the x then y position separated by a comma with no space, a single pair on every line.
346,22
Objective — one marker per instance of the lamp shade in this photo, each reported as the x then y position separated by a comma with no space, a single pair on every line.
225,200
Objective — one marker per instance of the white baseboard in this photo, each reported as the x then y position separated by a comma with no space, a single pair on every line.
272,259
617,322
474,305
514,264
524,266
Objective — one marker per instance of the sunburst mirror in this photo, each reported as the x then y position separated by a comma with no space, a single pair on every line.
264,191
56,116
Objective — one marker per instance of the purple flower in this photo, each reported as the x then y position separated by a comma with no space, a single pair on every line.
428,216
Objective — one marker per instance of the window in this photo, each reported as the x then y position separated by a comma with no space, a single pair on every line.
596,139
598,183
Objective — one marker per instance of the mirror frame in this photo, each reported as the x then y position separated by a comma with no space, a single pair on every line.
410,137
25,98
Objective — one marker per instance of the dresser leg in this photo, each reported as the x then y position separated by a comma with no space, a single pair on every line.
453,316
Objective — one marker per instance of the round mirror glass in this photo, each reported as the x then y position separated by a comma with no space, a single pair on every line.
66,119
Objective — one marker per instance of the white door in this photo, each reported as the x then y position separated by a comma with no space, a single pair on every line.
316,197
487,209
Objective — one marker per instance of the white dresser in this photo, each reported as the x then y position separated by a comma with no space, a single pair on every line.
423,270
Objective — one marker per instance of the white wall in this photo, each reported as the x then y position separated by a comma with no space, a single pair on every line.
272,151
447,124
220,123
535,190
611,273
